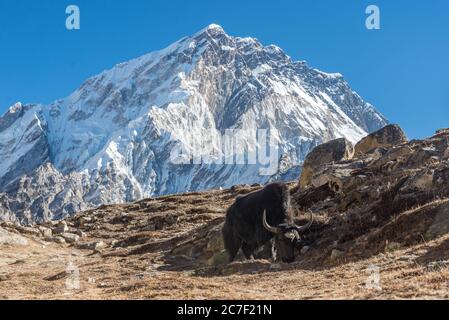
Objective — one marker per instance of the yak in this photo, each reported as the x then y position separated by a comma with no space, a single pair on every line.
258,217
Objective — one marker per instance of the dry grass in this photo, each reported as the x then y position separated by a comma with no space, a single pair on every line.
140,265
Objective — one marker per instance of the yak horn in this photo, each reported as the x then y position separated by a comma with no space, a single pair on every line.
266,225
307,226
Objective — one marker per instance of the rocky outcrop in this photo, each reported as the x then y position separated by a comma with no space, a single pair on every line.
364,193
386,137
206,246
330,152
335,163
58,232
440,224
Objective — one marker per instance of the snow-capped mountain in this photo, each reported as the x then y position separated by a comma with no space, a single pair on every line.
113,139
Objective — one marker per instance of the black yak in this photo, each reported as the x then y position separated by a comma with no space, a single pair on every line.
256,218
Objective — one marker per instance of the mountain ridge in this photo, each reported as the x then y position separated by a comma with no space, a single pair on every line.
110,140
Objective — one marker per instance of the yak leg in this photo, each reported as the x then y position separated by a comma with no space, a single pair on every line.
248,250
232,246
232,242
233,250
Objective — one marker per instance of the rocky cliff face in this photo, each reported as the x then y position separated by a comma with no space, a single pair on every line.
113,139
392,182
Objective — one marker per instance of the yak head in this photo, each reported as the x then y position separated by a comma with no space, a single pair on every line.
286,237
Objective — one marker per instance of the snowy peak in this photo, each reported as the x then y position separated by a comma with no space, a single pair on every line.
212,29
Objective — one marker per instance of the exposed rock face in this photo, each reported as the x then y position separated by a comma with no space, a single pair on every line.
8,238
442,132
373,187
111,141
332,151
440,225
206,246
386,137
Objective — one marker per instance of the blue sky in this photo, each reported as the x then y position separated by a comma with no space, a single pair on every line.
402,69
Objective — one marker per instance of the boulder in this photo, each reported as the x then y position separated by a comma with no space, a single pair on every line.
275,266
336,255
83,221
61,228
28,230
392,246
440,225
438,265
304,250
49,224
203,245
5,277
81,233
386,137
215,243
98,245
218,259
46,232
151,227
8,238
248,267
332,151
58,239
70,237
